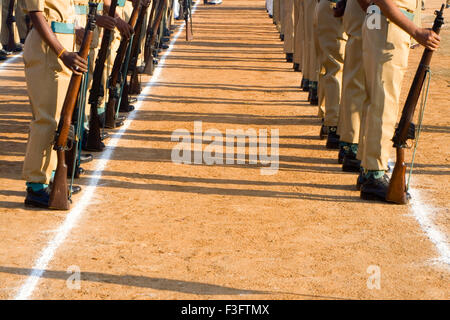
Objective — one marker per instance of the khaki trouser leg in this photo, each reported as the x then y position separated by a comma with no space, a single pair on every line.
298,32
288,26
313,69
317,54
4,34
353,82
385,58
332,45
353,91
276,11
308,41
20,19
282,23
277,6
47,82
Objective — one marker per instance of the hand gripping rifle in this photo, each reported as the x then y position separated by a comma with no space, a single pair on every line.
59,192
397,192
115,82
134,86
187,12
152,37
10,19
94,141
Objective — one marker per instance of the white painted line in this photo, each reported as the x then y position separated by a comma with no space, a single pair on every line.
10,60
41,264
423,214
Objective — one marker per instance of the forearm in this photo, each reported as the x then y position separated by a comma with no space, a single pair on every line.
107,7
42,27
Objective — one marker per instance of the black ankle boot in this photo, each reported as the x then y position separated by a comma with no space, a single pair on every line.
333,138
289,57
350,163
375,188
305,84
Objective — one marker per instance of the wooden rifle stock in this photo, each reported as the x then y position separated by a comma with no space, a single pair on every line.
134,85
397,192
152,35
94,141
113,96
59,191
10,19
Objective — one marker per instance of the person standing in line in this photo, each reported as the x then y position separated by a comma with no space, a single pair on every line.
331,43
385,59
288,14
353,88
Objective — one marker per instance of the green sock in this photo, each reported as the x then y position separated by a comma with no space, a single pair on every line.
377,174
349,147
36,187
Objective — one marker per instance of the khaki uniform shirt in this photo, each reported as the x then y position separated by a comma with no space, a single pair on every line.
54,10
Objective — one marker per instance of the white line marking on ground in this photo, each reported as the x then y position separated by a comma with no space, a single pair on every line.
27,289
423,214
10,60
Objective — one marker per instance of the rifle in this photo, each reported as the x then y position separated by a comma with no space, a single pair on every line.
94,141
187,11
151,38
73,155
134,86
397,191
59,192
115,87
147,49
10,19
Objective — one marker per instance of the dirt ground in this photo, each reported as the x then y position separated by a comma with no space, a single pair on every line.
154,229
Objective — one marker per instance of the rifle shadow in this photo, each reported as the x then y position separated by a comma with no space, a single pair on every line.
161,284
139,281
227,87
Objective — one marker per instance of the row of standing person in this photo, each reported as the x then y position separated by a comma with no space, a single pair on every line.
353,55
51,57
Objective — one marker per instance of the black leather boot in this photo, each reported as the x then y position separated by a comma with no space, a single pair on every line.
333,138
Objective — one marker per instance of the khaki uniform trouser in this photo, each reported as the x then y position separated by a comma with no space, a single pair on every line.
317,54
20,28
47,81
310,62
276,13
385,59
288,13
282,23
353,87
331,40
298,31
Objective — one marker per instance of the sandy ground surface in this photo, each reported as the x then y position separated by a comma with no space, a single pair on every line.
159,230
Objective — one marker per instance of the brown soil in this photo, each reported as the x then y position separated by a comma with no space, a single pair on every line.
159,230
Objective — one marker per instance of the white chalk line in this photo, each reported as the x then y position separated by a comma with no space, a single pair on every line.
41,264
423,214
10,60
